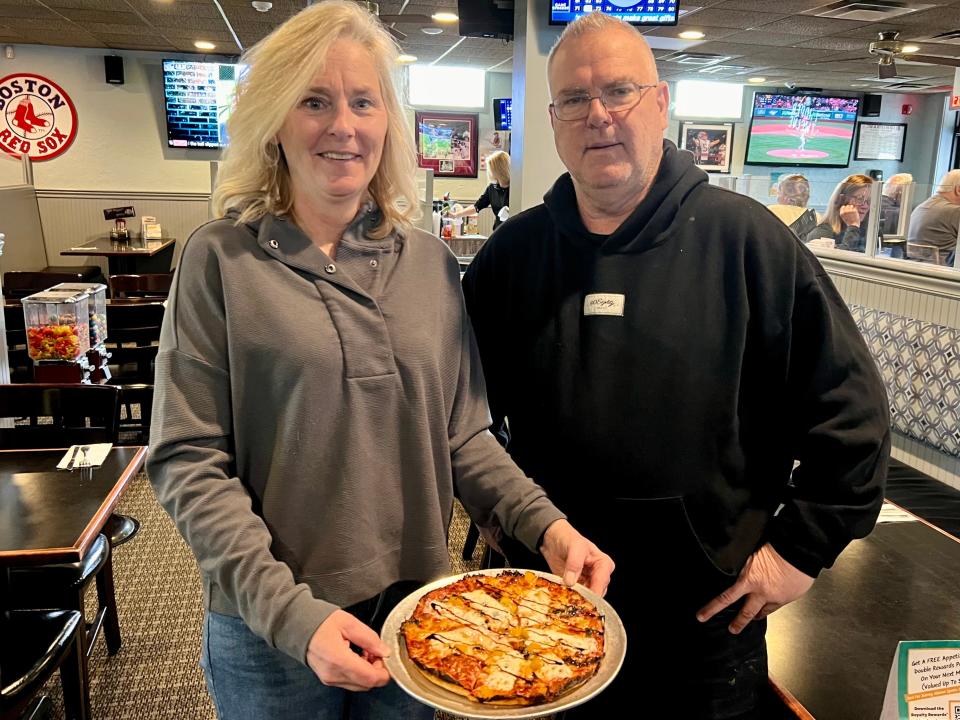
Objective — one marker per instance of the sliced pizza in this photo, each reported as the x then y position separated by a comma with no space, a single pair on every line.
509,639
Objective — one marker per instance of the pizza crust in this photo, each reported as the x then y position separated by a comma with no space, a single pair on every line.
470,627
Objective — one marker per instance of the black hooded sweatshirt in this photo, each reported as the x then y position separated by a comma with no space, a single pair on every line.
734,356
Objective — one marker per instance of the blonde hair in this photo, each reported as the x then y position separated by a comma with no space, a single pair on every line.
253,176
838,198
498,167
793,190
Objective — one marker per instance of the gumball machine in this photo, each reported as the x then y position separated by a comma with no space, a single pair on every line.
97,356
58,335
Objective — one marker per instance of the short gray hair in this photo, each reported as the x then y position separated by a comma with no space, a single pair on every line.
949,181
591,22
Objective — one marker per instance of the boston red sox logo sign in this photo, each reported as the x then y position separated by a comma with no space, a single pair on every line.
37,118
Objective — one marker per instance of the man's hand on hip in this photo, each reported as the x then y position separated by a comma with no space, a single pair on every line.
574,558
767,581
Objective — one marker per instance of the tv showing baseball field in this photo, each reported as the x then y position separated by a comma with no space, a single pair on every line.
801,130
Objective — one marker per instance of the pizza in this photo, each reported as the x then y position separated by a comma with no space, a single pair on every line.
509,639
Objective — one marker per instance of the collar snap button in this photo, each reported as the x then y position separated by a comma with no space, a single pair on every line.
331,268
274,244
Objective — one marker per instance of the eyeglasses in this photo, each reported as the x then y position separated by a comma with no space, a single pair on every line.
616,98
859,202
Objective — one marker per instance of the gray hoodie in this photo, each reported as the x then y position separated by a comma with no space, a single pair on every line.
312,419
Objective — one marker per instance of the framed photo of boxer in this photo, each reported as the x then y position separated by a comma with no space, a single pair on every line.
711,144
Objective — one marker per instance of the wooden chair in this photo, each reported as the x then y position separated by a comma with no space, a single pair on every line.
21,366
153,285
20,283
36,643
133,336
64,585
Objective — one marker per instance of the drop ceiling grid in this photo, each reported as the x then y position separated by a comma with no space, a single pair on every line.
779,42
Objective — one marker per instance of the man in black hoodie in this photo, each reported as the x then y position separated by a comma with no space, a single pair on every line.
664,351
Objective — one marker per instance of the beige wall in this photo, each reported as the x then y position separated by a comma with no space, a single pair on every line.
121,131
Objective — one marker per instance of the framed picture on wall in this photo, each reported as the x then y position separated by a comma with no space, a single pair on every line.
710,143
880,141
448,143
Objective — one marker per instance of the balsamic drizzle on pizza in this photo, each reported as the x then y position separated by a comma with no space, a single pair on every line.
510,639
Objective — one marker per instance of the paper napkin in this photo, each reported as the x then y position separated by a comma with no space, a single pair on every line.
94,456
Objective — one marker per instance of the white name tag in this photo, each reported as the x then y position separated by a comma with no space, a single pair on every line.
603,304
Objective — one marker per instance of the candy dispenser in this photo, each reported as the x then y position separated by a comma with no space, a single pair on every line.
58,325
97,306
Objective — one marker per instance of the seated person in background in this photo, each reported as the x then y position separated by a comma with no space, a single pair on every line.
936,221
846,218
497,195
793,193
890,202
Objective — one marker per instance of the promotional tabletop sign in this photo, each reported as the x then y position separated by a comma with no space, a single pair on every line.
37,117
119,212
924,681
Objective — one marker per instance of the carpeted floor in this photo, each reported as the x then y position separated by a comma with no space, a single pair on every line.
156,673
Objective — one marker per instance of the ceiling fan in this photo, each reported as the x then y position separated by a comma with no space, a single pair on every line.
389,20
888,49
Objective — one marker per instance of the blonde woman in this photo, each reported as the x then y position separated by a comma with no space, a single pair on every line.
318,392
497,195
846,218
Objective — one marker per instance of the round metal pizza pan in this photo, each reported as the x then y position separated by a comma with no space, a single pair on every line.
409,677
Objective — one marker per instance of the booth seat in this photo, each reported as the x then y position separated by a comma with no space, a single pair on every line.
920,366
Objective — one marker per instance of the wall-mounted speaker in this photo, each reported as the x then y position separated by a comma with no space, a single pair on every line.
871,105
113,69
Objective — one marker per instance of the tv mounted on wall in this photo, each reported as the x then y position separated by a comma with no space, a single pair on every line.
801,130
644,12
503,113
198,97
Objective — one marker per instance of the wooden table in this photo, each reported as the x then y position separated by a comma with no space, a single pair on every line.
831,650
49,515
132,257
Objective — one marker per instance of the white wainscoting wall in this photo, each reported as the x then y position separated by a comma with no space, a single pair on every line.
74,217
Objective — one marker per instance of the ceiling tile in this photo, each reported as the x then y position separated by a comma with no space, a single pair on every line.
813,26
731,19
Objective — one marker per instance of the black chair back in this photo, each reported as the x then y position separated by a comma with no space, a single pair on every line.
20,283
133,336
59,415
154,285
21,366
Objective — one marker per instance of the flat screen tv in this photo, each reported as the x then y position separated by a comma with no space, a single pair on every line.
645,12
801,130
198,97
503,113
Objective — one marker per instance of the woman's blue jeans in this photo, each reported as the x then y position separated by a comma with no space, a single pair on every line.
249,680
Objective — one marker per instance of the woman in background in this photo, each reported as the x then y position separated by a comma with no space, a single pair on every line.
319,397
497,195
846,219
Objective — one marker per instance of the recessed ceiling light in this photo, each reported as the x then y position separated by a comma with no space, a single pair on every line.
406,59
910,48
204,45
756,80
431,30
444,17
692,35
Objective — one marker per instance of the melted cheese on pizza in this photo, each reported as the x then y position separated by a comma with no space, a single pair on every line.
515,637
